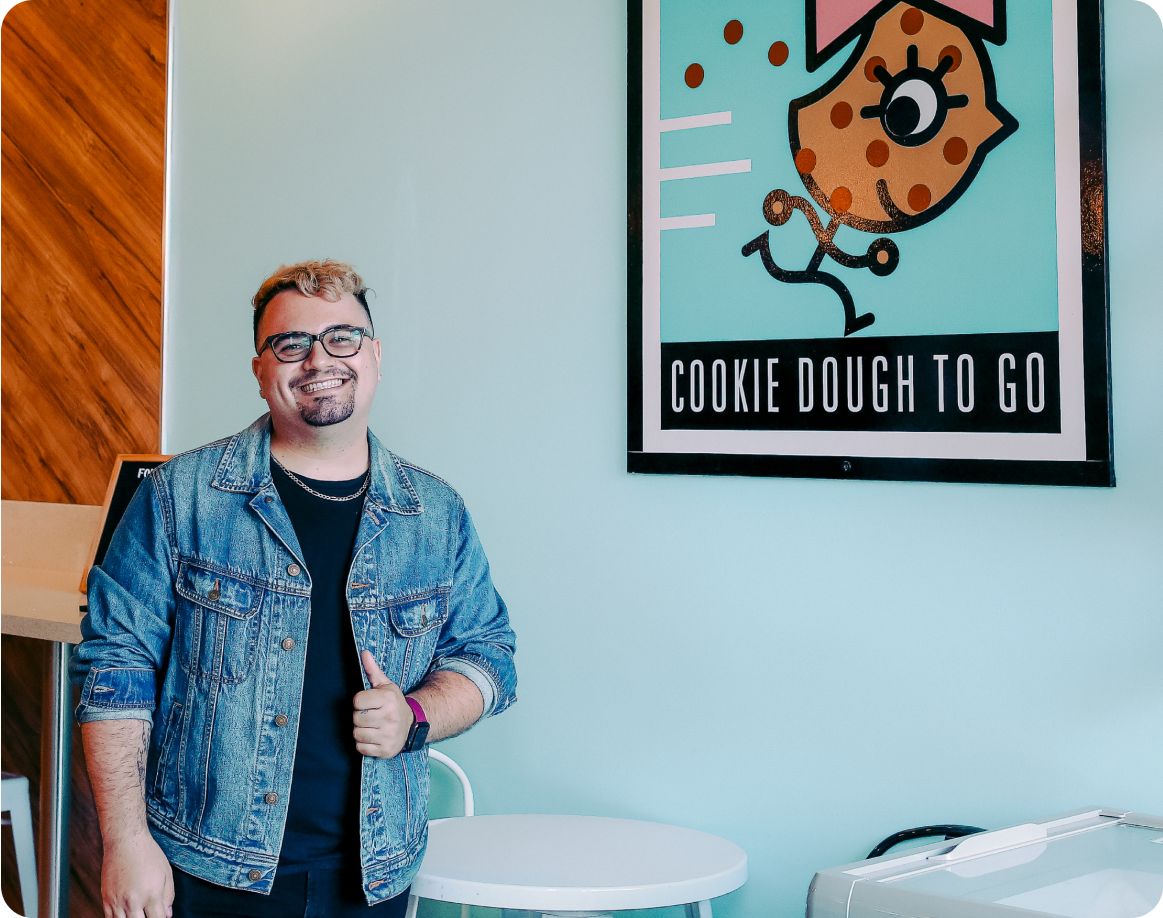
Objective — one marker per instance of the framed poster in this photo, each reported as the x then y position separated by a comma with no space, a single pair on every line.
867,240
129,471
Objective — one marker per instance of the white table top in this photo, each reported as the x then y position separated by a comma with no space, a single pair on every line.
574,863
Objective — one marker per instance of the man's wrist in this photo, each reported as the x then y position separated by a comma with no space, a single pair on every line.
418,714
126,839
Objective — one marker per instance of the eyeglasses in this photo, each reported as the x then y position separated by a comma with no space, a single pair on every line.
294,347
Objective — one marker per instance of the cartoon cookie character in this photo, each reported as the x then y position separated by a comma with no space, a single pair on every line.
897,135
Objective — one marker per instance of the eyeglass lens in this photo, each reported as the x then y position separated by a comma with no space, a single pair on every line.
338,342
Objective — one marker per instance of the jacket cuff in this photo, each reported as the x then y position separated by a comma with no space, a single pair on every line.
475,674
110,694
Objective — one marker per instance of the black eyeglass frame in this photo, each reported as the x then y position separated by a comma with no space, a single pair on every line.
364,334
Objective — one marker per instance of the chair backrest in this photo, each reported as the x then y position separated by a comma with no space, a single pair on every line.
466,788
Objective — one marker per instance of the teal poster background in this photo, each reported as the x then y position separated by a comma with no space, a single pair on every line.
988,264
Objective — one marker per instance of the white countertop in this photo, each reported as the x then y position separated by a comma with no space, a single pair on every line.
45,547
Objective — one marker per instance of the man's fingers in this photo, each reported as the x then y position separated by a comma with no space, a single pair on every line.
157,906
374,673
372,718
368,701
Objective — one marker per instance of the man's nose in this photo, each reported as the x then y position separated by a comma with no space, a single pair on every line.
317,354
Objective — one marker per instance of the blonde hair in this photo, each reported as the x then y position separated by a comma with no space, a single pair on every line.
329,279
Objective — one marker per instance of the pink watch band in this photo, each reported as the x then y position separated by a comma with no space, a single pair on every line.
417,711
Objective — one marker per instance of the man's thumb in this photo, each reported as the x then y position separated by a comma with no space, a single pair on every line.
374,673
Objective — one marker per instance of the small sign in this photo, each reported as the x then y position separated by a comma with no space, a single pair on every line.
129,470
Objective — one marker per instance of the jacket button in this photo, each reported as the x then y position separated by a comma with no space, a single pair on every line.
293,569
271,798
288,643
280,720
213,595
269,499
254,875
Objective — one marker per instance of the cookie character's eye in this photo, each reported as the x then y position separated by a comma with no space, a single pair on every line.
914,103
912,108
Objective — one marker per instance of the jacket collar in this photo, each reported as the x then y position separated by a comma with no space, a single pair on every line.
245,467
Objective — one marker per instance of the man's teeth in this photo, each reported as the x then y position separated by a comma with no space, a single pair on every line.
325,384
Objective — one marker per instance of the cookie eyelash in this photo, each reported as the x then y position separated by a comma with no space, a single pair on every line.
943,67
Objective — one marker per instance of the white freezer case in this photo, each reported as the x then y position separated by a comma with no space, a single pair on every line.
1088,863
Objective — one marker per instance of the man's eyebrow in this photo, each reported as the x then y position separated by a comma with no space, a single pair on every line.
325,331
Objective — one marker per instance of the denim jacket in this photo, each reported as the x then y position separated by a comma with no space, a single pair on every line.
198,622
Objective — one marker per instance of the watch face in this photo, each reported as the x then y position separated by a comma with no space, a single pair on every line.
417,736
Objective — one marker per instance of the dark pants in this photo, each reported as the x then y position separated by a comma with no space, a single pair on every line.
294,895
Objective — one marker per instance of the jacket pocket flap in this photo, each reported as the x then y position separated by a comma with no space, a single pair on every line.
412,617
218,591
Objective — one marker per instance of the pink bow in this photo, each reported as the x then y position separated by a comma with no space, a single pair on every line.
835,17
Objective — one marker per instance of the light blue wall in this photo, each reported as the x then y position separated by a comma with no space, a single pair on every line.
802,667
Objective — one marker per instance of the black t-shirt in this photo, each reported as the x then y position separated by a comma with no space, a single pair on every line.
323,812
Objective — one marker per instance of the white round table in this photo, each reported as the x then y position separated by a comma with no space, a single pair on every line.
563,864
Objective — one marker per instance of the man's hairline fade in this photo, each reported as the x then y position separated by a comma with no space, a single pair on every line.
328,279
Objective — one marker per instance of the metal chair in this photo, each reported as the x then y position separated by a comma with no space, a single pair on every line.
14,800
465,787
466,790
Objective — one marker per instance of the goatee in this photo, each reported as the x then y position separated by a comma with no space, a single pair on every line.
328,412
325,410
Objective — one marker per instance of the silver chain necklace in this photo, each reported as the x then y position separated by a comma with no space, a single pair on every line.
366,481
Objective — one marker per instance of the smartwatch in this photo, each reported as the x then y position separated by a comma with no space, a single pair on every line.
418,734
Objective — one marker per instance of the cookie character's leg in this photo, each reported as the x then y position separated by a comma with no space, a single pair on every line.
811,275
881,258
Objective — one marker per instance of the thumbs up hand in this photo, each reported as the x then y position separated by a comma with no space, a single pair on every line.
382,717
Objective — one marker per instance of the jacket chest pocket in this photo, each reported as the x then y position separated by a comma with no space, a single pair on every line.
218,624
415,626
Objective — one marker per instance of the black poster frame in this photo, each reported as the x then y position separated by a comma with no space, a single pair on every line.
1096,470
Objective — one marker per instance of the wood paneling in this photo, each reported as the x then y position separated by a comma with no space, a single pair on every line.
83,115
83,139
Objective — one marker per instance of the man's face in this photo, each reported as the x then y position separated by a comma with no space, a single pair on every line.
321,391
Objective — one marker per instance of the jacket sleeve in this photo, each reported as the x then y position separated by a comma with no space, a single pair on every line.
476,640
125,638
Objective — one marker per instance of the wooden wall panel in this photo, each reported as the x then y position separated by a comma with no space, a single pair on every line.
83,138
83,114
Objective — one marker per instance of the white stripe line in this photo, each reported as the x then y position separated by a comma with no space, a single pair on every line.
692,221
705,169
694,121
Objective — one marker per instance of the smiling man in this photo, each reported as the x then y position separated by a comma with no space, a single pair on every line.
282,621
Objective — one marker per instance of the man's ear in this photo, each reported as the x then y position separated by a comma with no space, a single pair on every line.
378,355
255,367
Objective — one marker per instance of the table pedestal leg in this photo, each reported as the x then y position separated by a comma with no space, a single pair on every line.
56,747
699,909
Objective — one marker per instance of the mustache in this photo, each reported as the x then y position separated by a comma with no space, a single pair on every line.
310,376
